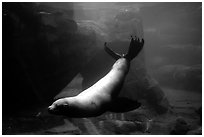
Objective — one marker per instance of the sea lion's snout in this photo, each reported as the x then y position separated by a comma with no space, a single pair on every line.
52,109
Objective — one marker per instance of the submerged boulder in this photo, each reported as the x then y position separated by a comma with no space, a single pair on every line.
180,127
181,76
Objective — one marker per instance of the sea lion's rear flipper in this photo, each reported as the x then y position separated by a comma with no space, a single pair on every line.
123,104
115,55
135,47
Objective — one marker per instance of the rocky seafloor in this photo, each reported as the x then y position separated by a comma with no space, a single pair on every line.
183,118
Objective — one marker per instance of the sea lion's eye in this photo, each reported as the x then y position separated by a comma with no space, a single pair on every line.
66,105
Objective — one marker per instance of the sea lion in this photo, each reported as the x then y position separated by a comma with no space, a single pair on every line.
98,98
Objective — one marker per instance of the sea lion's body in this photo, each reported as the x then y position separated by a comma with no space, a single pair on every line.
98,98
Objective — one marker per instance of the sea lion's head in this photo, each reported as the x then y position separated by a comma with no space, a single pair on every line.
69,107
60,107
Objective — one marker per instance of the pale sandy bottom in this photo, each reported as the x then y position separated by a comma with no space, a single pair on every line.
139,121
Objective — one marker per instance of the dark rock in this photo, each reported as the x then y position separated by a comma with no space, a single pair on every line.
199,112
66,128
181,76
120,127
180,127
195,131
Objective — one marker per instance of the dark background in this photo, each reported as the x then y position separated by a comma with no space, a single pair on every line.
45,45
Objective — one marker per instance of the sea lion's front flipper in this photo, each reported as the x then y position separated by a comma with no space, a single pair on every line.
123,104
115,55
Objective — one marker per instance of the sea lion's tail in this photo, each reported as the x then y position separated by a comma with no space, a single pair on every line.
135,47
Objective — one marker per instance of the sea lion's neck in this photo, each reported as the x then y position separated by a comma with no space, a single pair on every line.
72,100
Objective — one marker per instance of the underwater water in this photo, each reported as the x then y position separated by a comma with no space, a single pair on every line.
56,50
